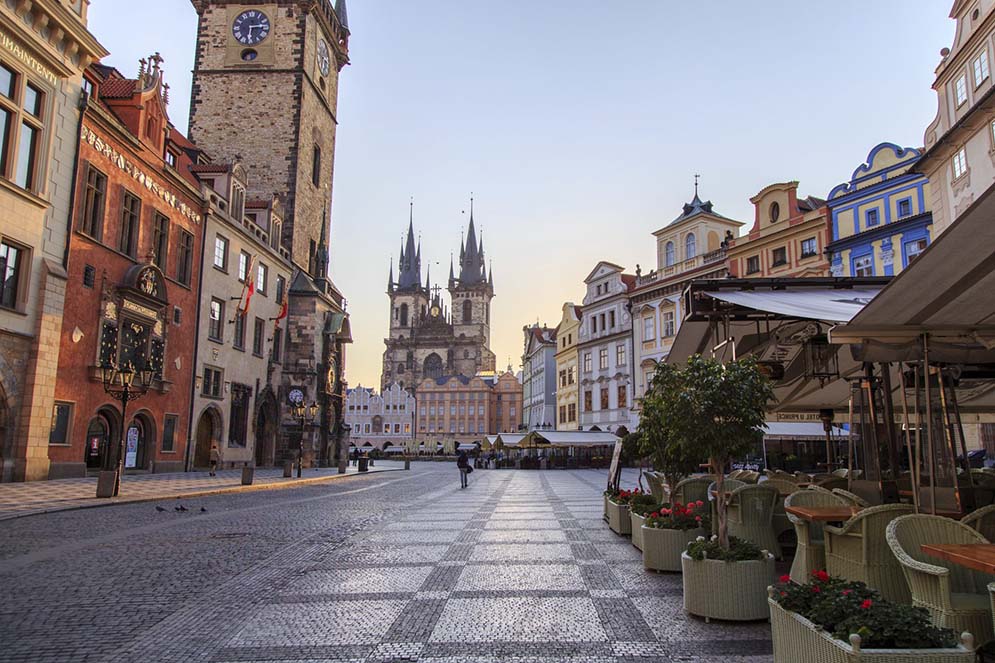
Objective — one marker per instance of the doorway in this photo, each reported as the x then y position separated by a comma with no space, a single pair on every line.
266,421
208,431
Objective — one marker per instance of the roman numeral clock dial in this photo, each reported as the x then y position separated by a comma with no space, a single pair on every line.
250,27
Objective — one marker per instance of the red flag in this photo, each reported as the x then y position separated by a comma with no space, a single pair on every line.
251,288
283,311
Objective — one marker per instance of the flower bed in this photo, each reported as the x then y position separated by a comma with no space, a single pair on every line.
640,506
668,532
726,584
618,511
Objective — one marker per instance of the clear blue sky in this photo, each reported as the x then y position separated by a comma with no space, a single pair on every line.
578,125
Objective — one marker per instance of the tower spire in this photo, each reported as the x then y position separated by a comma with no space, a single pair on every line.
409,272
390,276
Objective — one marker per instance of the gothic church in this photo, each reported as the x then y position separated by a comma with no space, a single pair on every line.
427,340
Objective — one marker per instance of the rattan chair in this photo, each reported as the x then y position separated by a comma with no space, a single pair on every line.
955,596
984,487
857,551
691,489
803,477
819,489
833,482
751,516
783,487
655,482
842,472
749,476
810,555
734,474
982,520
855,500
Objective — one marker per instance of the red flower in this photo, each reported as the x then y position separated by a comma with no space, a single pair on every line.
785,579
697,519
821,576
816,589
699,503
866,605
655,514
847,592
784,593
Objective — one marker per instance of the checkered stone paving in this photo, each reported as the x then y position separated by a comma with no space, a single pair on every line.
517,567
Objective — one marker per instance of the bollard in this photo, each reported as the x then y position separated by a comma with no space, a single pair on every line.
407,463
364,464
248,473
288,469
105,483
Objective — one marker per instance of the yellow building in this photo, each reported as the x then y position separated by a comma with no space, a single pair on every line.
567,333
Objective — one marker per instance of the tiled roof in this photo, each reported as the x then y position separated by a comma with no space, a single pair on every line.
209,168
257,203
117,88
630,282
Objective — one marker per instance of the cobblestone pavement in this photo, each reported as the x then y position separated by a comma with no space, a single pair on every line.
400,566
32,497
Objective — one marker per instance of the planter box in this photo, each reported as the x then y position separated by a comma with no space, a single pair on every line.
605,515
637,529
618,518
736,591
662,548
798,639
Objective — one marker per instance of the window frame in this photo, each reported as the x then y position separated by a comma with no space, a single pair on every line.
131,224
68,438
244,263
669,324
220,321
184,261
160,239
222,242
19,119
94,203
238,335
22,272
815,247
867,217
959,162
752,264
960,90
898,207
219,382
980,62
906,256
258,337
602,359
870,264
775,261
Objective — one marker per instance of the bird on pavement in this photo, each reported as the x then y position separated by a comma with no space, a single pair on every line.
181,508
203,509
159,508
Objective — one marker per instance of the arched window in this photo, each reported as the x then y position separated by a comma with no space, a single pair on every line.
668,259
404,315
433,366
467,311
689,247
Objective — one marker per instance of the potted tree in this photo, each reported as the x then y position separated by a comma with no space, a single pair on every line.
718,410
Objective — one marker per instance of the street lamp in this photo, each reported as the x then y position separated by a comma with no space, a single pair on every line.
121,385
306,414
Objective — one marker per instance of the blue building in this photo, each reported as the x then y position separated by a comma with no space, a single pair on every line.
881,218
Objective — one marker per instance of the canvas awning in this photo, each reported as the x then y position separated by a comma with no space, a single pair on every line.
798,430
570,439
394,450
510,439
466,446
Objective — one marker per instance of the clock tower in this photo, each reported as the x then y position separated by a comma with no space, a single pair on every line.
265,92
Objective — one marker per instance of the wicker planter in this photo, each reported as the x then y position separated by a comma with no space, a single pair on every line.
637,529
798,639
662,548
618,518
735,591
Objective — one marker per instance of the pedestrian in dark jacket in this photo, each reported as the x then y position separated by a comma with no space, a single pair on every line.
464,468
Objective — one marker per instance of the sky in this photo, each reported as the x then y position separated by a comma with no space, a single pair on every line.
577,125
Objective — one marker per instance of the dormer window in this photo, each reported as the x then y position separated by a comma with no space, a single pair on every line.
170,159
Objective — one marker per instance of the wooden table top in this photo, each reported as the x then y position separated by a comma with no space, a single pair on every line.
977,556
823,513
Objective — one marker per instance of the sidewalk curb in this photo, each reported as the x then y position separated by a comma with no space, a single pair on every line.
275,485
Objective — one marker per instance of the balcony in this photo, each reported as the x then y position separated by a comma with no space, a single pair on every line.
712,257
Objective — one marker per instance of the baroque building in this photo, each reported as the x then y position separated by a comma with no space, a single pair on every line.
426,340
539,378
381,420
456,409
567,335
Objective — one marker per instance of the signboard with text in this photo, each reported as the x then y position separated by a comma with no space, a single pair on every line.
131,447
615,469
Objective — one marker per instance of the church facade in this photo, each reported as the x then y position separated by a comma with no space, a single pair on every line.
428,339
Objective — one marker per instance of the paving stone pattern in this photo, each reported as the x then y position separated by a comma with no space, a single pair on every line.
394,567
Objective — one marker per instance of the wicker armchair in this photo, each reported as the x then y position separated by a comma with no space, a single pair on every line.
751,516
855,500
984,487
691,489
842,472
749,476
783,487
655,482
955,596
811,552
734,474
857,551
982,520
833,482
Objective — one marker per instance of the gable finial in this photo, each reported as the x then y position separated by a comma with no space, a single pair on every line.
696,176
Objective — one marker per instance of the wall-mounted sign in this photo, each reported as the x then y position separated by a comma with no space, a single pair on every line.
131,448
21,54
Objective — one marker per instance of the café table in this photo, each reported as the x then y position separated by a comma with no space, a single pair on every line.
826,514
977,556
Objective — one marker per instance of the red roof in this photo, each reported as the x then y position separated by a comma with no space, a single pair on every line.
257,203
630,282
209,168
117,88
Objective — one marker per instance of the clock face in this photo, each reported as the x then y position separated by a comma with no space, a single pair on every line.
323,60
296,396
435,311
250,27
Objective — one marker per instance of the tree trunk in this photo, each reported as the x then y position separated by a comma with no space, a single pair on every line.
720,501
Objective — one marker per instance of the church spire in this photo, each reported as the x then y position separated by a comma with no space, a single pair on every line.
409,271
471,268
452,274
390,277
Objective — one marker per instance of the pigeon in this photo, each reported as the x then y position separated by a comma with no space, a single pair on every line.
203,509
159,508
181,508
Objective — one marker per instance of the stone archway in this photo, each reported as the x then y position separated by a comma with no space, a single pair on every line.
209,428
433,366
267,423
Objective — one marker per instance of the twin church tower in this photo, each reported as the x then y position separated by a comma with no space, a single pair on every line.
427,339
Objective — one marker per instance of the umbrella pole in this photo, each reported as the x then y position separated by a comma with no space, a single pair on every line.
849,460
929,426
908,438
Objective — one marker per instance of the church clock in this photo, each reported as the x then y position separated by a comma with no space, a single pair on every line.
435,311
324,61
250,27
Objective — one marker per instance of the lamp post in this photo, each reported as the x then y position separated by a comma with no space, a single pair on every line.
120,384
306,414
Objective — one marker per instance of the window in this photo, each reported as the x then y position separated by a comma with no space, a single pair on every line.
12,266
19,149
753,264
668,259
904,208
594,324
316,166
160,239
168,432
258,337
238,425
215,326
604,398
94,198
980,68
689,247
587,362
239,341
571,412
237,202
212,382
960,163
221,253
467,311
131,213
184,265
170,159
570,375
863,266
243,266
649,329
277,342
779,256
960,89
668,323
281,285
809,247
61,418
611,319
262,274
588,406
871,217
775,212
603,358
623,395
913,249
620,355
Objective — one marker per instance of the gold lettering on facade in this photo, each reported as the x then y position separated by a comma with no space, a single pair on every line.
129,305
29,60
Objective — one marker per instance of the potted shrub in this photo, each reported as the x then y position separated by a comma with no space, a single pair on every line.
726,583
640,506
618,511
667,532
836,621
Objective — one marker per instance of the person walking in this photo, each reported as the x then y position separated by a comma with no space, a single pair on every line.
215,459
464,468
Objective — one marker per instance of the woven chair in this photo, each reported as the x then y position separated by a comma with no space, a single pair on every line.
750,516
833,482
857,551
783,487
802,477
810,555
691,489
955,596
842,472
982,520
818,489
784,476
984,487
734,474
853,499
749,476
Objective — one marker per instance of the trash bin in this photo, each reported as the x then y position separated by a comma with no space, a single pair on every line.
248,473
364,464
288,469
407,463
105,483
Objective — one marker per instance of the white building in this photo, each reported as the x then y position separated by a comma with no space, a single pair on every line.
381,420
605,351
539,378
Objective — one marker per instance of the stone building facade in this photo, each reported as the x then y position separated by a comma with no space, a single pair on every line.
454,410
381,420
539,378
567,373
44,48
